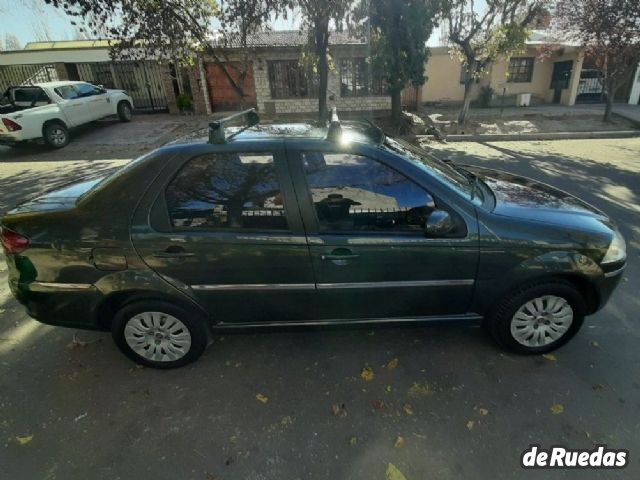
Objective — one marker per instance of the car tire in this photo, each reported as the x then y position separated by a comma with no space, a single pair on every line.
124,111
537,317
56,134
159,334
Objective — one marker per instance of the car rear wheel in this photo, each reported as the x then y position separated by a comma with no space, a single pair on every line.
124,111
539,317
159,334
56,134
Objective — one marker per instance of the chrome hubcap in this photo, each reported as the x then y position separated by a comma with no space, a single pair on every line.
57,136
541,321
157,336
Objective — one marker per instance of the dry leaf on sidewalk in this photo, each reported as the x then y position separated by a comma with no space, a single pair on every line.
23,439
262,398
393,473
393,364
399,442
557,408
367,373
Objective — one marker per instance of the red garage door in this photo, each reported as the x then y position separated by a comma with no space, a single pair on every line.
221,92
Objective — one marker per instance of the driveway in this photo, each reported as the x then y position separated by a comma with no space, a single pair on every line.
444,402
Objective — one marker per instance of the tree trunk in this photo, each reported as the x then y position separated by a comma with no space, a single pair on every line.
322,37
608,106
463,116
396,107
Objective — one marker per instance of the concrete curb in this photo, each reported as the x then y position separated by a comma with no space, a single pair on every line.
537,136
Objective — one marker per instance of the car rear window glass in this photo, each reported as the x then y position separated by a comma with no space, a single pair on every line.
227,190
26,96
356,193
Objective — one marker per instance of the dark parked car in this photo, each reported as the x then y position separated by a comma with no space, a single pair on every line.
293,224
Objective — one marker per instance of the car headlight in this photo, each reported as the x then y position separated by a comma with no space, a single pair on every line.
617,250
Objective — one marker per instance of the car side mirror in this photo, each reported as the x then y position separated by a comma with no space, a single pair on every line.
439,224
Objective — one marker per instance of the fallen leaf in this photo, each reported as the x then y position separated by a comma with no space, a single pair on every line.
408,409
367,373
393,363
598,386
399,442
23,439
557,408
379,405
393,473
339,409
387,389
471,424
353,441
286,421
550,356
262,398
594,344
420,390
483,411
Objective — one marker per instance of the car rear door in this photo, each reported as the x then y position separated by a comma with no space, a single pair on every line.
224,226
365,228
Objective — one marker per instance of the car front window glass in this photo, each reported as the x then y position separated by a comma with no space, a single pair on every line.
227,190
67,92
356,193
454,178
86,90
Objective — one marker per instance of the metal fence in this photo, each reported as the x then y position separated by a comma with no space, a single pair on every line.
142,80
26,74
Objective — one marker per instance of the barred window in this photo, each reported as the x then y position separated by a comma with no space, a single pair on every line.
289,79
357,79
520,69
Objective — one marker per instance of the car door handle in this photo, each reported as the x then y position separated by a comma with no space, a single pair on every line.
338,257
173,251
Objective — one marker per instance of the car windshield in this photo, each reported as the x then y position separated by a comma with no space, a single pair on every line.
455,177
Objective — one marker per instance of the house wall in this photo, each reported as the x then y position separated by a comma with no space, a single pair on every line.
443,72
309,104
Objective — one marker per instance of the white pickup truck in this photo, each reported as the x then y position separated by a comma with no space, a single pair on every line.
49,110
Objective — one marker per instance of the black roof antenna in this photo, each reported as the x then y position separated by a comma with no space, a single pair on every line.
335,129
216,128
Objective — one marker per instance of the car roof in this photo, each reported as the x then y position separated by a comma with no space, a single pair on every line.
54,84
356,131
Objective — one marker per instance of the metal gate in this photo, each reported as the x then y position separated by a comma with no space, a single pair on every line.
142,80
26,74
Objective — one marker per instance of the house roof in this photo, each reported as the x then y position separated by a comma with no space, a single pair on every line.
66,44
283,38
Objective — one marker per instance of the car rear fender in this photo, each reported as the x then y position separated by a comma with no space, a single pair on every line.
124,286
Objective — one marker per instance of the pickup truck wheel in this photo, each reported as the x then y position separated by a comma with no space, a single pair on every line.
159,334
538,317
56,134
124,111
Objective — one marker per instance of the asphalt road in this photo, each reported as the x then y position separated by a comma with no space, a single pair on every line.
464,408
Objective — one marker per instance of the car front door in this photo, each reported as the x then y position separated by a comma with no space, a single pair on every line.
96,101
366,231
74,107
225,226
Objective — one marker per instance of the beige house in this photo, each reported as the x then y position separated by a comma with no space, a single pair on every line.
552,78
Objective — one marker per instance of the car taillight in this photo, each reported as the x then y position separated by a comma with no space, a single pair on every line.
13,242
11,125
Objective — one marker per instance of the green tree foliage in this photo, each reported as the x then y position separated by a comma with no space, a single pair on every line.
170,29
398,31
317,15
609,32
480,34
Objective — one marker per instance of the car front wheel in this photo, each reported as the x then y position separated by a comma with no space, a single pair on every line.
159,334
124,111
538,317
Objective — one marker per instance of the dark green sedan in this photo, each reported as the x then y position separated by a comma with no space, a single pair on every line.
298,225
